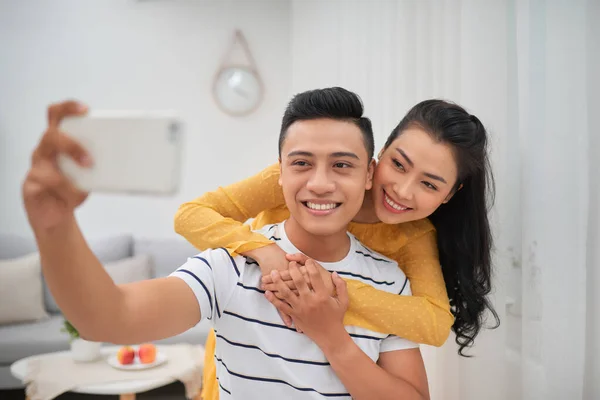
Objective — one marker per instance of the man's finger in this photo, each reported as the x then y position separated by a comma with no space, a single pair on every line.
280,305
341,289
298,257
298,279
315,277
48,178
73,149
46,175
57,111
287,320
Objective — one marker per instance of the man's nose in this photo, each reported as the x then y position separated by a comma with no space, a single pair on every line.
320,182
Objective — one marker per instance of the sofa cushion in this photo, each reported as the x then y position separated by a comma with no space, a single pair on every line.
14,246
131,269
107,250
21,294
167,254
28,339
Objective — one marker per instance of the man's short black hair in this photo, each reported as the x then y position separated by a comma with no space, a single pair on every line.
334,103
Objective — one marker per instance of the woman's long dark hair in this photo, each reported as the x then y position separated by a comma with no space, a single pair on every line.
463,231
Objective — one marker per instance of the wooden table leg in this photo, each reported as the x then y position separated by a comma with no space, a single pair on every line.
128,396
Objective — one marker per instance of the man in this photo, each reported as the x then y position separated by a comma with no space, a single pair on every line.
326,150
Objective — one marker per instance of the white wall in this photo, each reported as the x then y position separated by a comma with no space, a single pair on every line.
135,54
592,383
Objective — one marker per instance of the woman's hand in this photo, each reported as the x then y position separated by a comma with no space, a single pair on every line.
314,311
271,258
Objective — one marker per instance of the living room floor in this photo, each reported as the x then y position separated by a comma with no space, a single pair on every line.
174,391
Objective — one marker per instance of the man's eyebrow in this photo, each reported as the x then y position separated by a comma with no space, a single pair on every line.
336,154
300,153
344,154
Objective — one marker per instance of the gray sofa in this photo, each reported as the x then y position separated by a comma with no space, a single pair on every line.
20,340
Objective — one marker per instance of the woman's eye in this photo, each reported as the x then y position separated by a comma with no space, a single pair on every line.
398,164
429,185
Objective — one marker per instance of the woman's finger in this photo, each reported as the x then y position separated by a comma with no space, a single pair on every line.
283,292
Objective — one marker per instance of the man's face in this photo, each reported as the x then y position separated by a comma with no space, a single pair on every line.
325,171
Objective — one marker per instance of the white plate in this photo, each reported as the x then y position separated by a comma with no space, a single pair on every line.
161,358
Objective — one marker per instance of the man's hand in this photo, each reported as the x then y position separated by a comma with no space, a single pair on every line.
49,197
319,315
300,259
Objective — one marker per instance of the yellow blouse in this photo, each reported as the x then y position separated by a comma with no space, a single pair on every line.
217,218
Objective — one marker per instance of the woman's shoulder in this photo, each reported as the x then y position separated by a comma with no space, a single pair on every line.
390,238
417,228
271,170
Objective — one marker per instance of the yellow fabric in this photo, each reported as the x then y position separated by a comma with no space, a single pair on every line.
210,386
216,219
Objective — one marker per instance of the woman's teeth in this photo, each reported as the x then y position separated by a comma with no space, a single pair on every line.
394,205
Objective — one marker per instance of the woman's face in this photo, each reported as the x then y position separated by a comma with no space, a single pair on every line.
413,177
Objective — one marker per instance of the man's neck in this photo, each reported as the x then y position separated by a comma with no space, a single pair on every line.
330,248
366,214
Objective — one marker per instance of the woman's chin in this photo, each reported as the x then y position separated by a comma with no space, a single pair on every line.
393,218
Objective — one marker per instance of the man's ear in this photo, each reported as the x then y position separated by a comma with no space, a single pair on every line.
279,180
370,172
451,194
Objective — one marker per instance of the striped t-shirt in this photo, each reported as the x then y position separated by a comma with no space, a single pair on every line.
257,356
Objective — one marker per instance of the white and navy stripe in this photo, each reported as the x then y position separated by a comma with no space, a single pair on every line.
257,356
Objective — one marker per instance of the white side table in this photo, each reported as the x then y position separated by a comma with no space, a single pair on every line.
125,389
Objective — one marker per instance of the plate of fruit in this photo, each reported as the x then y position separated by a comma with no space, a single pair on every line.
135,358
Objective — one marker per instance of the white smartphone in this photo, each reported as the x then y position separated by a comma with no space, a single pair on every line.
132,152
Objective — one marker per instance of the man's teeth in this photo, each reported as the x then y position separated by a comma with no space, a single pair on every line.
395,206
315,206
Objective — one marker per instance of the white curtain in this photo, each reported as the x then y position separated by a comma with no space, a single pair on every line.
529,70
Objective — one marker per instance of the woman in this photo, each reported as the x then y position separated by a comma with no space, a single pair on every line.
429,197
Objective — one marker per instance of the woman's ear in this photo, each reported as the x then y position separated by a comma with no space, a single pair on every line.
451,194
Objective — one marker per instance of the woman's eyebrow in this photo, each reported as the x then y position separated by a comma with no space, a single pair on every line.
427,174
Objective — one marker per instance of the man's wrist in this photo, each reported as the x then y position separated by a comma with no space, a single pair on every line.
336,343
61,230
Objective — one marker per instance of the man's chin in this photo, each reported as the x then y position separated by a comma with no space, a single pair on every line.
322,228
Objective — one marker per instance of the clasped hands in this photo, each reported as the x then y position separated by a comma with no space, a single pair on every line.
307,295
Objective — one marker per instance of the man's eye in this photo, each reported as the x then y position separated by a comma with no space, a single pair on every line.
341,165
